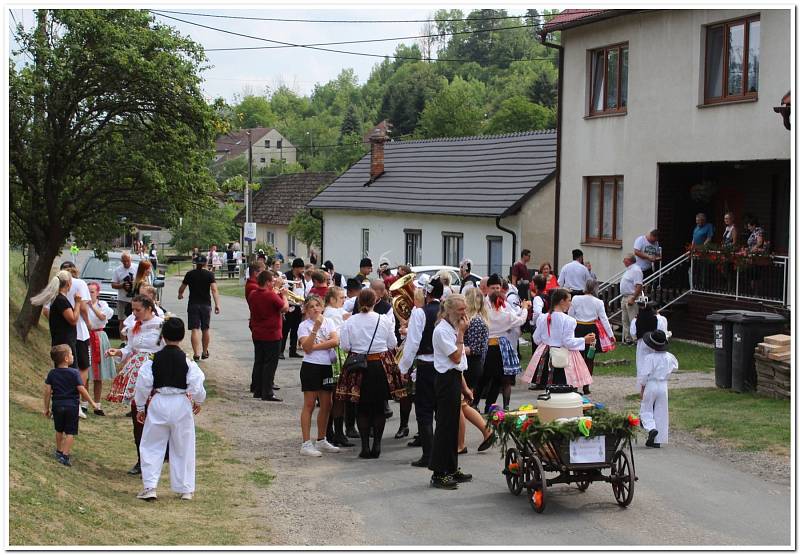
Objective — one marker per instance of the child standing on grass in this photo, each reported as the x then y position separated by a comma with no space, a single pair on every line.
64,386
176,386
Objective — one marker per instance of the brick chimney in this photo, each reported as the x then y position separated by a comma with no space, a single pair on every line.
376,139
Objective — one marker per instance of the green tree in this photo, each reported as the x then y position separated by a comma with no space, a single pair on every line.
519,114
406,94
306,227
202,228
457,111
254,111
107,120
350,123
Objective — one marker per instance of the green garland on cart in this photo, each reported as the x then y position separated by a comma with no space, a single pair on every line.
528,428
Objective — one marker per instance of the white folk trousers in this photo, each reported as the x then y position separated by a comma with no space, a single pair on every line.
654,411
169,420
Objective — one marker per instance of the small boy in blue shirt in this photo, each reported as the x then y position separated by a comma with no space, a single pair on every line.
64,386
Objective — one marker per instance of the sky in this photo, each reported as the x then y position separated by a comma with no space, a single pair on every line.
251,72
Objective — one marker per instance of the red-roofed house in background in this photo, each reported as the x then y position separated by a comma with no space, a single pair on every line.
664,114
268,145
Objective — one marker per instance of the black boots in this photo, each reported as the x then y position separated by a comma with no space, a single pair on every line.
426,439
339,438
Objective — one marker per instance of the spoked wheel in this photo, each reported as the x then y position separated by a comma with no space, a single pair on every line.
623,482
513,471
537,491
583,485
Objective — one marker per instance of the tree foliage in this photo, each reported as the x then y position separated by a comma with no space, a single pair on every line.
456,111
306,227
519,114
213,225
107,120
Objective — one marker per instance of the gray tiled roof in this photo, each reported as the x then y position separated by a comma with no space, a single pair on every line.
477,176
281,197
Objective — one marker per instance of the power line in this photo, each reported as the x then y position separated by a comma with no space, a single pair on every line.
375,40
490,18
310,47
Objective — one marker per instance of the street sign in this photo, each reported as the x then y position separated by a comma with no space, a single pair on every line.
250,231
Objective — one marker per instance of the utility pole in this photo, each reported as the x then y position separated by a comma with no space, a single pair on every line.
247,185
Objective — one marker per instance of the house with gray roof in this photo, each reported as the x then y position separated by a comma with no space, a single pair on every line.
268,145
435,202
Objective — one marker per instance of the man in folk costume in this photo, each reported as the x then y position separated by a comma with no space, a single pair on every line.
365,269
652,376
177,390
418,347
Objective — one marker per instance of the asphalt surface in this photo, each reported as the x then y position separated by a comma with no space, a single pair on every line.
682,497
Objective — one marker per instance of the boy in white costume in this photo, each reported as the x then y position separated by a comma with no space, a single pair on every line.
177,386
652,376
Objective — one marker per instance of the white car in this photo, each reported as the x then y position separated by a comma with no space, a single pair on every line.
455,277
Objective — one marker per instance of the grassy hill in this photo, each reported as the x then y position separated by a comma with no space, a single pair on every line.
93,502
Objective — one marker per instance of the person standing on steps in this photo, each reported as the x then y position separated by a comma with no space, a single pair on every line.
267,304
647,251
630,287
202,286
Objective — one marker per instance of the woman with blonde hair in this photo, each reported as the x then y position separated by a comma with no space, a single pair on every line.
446,279
142,276
476,342
317,336
62,317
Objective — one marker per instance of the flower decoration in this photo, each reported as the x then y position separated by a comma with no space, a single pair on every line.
633,420
585,426
525,408
513,467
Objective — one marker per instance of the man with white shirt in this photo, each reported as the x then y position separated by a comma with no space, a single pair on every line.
574,275
647,251
122,281
419,346
81,290
630,287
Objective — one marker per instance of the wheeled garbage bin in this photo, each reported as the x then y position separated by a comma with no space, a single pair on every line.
749,329
723,346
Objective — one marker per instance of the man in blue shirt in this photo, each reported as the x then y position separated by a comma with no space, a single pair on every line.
703,231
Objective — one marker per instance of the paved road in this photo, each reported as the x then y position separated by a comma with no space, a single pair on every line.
682,497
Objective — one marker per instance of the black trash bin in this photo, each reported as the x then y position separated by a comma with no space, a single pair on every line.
723,346
749,329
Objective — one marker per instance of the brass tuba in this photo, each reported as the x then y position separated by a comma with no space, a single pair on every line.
402,293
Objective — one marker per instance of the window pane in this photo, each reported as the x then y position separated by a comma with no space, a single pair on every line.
618,230
613,71
752,56
594,209
598,76
714,62
608,209
736,60
623,79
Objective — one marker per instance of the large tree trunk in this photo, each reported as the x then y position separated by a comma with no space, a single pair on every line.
39,276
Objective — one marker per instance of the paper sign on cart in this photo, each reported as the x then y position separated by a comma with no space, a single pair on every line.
587,450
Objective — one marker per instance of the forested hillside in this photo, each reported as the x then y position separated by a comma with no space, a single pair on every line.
479,73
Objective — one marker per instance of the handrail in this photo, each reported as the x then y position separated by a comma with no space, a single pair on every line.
656,275
613,280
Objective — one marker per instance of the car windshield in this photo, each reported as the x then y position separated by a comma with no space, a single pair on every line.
104,270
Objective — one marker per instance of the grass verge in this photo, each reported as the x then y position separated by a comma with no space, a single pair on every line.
231,288
93,502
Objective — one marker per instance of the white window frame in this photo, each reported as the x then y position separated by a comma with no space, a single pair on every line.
271,238
364,242
413,247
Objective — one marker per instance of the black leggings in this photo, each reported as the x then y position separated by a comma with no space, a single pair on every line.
371,415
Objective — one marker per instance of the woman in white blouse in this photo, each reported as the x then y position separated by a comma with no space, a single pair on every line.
553,330
590,312
101,366
144,338
371,334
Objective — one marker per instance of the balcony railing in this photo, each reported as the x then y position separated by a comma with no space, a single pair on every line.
762,278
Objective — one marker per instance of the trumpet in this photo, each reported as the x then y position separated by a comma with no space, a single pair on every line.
290,295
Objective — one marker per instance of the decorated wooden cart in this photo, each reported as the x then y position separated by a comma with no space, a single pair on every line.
578,451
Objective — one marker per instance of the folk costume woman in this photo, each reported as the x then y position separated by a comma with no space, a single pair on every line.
590,312
334,311
556,329
176,385
144,339
370,334
101,367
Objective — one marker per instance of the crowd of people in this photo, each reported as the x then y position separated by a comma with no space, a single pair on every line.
456,348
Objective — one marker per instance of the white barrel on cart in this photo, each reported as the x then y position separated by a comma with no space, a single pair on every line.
560,401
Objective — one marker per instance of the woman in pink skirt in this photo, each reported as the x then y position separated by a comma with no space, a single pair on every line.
556,329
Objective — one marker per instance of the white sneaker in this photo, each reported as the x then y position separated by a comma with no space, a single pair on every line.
186,496
81,412
309,450
147,494
323,445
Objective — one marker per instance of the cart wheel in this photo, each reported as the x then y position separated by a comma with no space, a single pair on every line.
513,479
537,493
583,485
623,483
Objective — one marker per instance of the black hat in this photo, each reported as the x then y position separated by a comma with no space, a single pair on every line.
576,254
436,288
328,265
173,329
656,340
298,263
67,264
353,284
365,262
201,260
494,279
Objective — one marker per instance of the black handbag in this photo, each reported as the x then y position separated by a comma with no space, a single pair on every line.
358,361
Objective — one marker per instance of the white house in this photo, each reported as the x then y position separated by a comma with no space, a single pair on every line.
433,202
665,114
268,145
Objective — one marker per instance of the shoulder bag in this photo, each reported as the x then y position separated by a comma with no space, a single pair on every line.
559,356
358,361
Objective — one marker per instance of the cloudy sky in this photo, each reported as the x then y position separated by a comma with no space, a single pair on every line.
235,72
